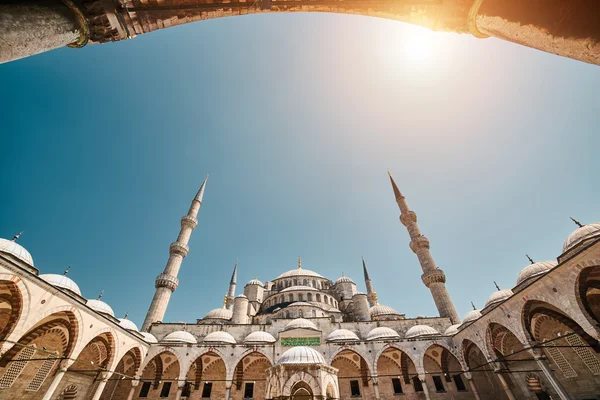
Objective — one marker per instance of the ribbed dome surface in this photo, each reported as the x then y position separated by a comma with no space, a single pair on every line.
420,330
300,304
100,306
341,335
148,337
219,337
580,234
471,316
535,269
292,288
180,336
260,337
344,279
298,272
219,313
300,323
498,296
382,333
255,282
452,329
128,324
15,249
61,281
301,355
379,309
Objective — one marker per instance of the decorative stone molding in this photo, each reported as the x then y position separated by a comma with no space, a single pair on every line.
168,281
419,243
436,276
189,222
179,249
408,217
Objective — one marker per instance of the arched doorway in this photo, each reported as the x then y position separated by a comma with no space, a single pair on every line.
206,377
443,372
588,290
397,374
119,385
481,370
301,391
353,375
250,377
160,377
11,307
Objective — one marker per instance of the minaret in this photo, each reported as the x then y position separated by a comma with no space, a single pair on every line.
167,282
231,291
433,277
371,295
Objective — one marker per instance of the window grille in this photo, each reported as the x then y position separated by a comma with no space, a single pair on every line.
42,373
561,362
16,367
589,359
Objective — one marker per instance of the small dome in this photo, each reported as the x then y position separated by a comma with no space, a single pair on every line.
255,282
259,337
301,355
344,279
241,296
16,250
382,333
100,306
292,288
498,296
341,335
300,304
452,329
580,234
128,324
420,330
300,323
471,316
535,269
219,337
219,313
180,336
62,282
148,337
378,310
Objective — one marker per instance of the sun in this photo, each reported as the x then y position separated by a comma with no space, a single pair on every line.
417,47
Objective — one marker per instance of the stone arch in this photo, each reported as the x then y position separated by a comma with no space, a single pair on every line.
481,370
251,368
394,363
443,369
587,292
125,371
208,367
154,369
14,304
352,366
409,357
303,377
255,349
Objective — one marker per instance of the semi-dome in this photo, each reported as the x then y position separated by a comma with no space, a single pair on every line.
452,329
219,313
382,333
341,335
100,306
580,234
180,336
128,324
379,310
301,355
219,337
300,323
344,279
62,282
15,249
293,288
259,337
255,282
535,269
148,337
421,330
471,316
498,296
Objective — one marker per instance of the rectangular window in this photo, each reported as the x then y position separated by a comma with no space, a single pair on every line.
206,390
187,390
439,385
460,385
417,384
249,390
166,389
397,386
354,389
145,389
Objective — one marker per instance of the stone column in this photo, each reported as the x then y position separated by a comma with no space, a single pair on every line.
543,364
179,392
132,391
469,377
56,381
425,388
29,27
376,387
100,388
228,389
569,28
505,386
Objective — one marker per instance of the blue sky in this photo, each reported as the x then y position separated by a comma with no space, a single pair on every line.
296,118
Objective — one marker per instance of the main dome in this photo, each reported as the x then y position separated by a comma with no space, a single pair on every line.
15,249
61,281
535,269
580,234
293,288
298,272
301,355
421,330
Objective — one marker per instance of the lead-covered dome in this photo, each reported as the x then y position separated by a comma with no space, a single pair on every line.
100,306
421,330
535,269
300,323
382,332
148,337
219,337
15,249
452,330
344,279
580,234
341,335
259,337
471,316
255,282
301,355
380,310
498,297
128,324
219,313
293,288
180,336
62,282
298,272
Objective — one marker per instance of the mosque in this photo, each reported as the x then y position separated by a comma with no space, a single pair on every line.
303,336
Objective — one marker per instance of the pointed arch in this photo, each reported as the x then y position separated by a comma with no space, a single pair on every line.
208,367
587,291
12,304
252,368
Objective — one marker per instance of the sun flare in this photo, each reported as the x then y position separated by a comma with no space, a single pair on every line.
417,47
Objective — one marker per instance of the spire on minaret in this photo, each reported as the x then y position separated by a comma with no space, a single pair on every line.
473,305
371,295
299,263
67,270
365,270
497,287
233,279
18,235
433,277
231,292
529,258
167,282
579,224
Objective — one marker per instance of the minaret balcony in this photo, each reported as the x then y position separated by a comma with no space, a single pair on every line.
432,277
179,248
419,243
408,217
189,222
168,281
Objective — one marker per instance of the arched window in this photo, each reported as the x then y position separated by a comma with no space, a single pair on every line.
305,282
314,283
309,297
291,297
318,297
16,367
300,297
325,299
295,282
314,313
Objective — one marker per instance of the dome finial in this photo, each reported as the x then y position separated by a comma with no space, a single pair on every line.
299,263
126,315
100,295
576,222
66,271
18,235
342,273
225,301
529,258
497,287
473,305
